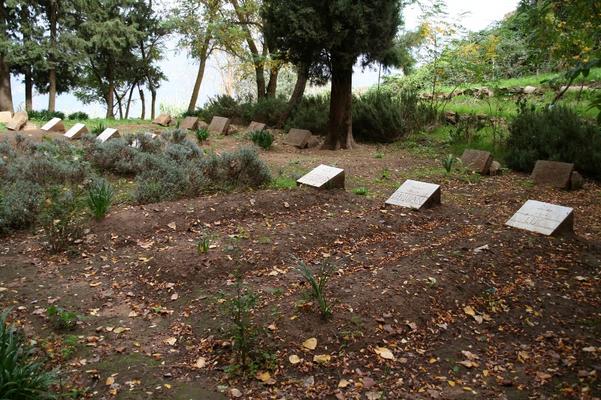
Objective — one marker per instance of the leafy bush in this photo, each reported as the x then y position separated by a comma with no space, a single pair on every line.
78,116
22,377
62,319
61,219
243,332
98,128
312,114
448,162
262,139
115,156
45,115
19,205
100,197
556,134
268,110
242,168
223,106
202,135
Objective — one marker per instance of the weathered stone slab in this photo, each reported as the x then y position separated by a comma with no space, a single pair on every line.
54,125
18,121
189,123
313,142
137,143
219,125
416,195
552,173
162,119
477,160
108,133
576,181
545,218
5,117
324,177
255,126
30,126
76,132
298,138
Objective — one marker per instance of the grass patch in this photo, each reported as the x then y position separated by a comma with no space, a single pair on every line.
283,182
361,191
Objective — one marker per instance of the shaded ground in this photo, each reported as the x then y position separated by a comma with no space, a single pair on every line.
520,319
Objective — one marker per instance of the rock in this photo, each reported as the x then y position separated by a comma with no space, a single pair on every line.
255,126
495,168
219,125
529,90
189,123
451,117
313,142
18,121
576,181
477,160
298,138
552,173
163,120
5,116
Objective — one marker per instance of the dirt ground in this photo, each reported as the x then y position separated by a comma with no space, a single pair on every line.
446,303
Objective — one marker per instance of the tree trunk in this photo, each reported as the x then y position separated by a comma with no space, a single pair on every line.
131,93
142,101
272,87
296,97
28,91
52,71
153,100
110,101
6,97
200,75
119,104
340,122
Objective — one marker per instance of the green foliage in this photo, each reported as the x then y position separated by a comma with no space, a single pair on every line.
21,202
22,376
448,162
243,333
100,197
318,282
222,106
263,139
361,191
61,219
202,135
98,128
78,116
554,133
63,320
311,114
45,115
268,110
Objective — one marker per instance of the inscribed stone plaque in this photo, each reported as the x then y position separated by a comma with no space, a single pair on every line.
54,125
324,177
477,160
5,116
18,121
76,132
189,123
553,173
109,133
163,120
415,194
298,138
547,219
255,126
219,125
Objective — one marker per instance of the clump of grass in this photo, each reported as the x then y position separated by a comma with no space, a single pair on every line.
263,139
283,182
204,244
202,135
23,377
61,219
63,320
361,191
318,283
98,128
448,162
100,198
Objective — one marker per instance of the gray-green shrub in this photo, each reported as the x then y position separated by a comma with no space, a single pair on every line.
61,219
263,139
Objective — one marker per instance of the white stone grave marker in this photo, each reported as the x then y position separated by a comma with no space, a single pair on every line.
109,133
136,144
324,177
416,195
545,218
76,132
54,125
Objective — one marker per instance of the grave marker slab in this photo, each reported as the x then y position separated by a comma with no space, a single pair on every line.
108,133
189,123
255,126
552,173
136,144
324,177
219,125
298,138
18,121
477,160
5,116
54,125
545,218
76,132
416,195
162,119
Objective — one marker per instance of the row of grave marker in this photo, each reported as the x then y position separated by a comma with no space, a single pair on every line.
534,216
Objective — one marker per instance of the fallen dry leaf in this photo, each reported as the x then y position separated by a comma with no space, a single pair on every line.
294,359
200,363
384,353
310,344
322,358
170,341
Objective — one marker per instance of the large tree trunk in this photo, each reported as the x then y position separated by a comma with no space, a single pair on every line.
153,101
6,97
110,101
340,123
272,87
296,97
52,72
28,91
142,101
200,75
131,93
119,104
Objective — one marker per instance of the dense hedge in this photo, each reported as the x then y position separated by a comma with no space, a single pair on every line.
554,133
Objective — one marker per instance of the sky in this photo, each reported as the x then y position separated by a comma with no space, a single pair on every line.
181,71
